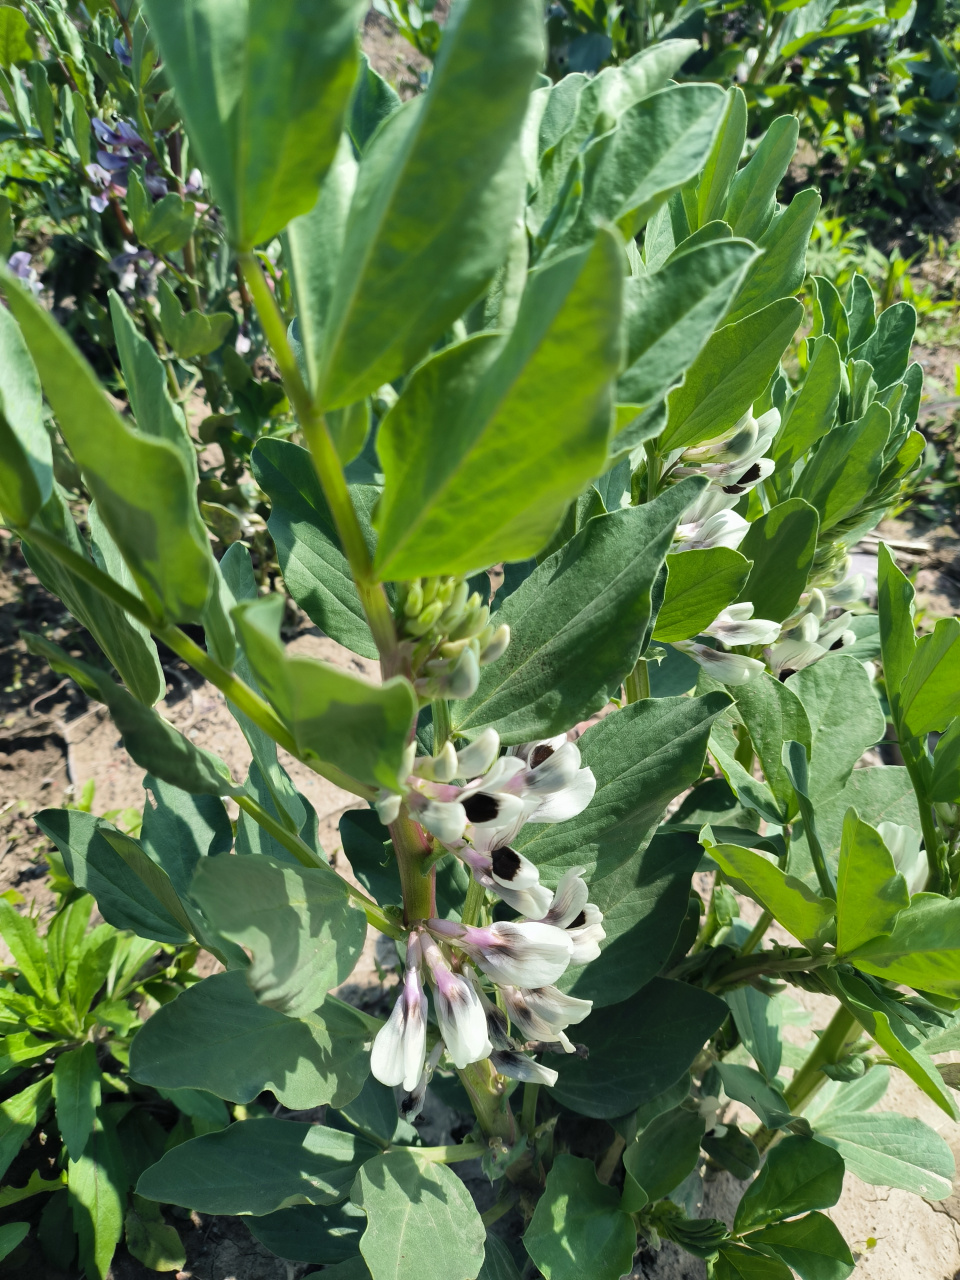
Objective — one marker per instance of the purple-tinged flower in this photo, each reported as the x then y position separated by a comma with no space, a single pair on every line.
543,1013
399,1050
518,1066
522,953
22,267
122,53
463,1023
582,920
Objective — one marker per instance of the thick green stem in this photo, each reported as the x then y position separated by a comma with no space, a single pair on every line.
933,844
829,1049
741,969
653,469
442,725
528,1113
490,1105
473,903
328,467
412,848
611,1157
447,1155
307,858
755,936
637,684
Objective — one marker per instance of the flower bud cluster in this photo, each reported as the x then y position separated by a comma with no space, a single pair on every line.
448,632
734,463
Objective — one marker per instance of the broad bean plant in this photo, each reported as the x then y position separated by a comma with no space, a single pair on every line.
569,454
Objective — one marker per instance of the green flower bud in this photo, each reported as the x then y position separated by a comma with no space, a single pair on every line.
497,646
428,618
414,601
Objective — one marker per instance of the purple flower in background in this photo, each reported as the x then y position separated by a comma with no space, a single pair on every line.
120,147
21,266
122,53
131,265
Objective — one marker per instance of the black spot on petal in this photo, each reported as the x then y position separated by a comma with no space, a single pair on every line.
506,863
786,673
579,921
733,488
751,474
543,751
481,807
837,644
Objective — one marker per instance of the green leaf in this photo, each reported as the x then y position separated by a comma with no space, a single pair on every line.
890,1150
871,893
493,437
17,42
898,642
315,243
498,1263
888,347
774,714
403,279
732,1150
700,584
640,1051
127,644
845,467
19,1116
669,314
257,1166
880,793
577,624
311,1232
737,1262
781,544
165,225
97,1198
829,314
296,923
216,1036
845,719
748,790
143,490
578,1228
263,87
19,1048
179,829
780,271
642,756
93,864
373,100
811,1245
147,387
662,1155
730,373
150,1239
315,570
803,913
20,934
810,413
922,950
721,165
945,782
900,1041
334,716
190,333
930,689
76,1091
753,191
12,1233
799,1174
748,1086
407,1202
758,1022
659,143
26,460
